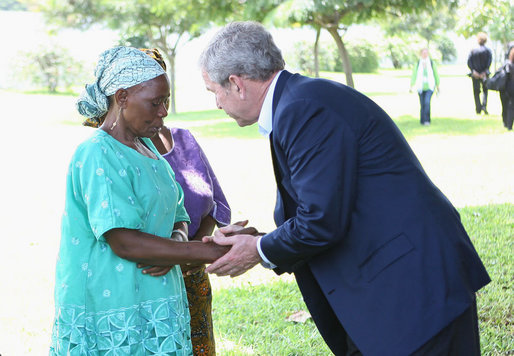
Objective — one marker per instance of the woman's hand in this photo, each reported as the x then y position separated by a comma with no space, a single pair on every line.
191,268
154,271
237,228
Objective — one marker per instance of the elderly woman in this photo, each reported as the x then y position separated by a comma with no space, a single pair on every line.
124,208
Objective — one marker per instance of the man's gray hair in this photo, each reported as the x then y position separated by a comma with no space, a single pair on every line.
244,49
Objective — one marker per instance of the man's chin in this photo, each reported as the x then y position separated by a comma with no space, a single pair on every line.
242,122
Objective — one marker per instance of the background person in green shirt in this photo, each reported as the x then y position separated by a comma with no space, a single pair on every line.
425,80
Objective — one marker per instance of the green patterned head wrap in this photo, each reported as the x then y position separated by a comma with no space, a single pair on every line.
118,68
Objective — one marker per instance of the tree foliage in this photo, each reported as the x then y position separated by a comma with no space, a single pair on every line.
429,25
164,24
12,5
407,34
335,16
495,17
50,67
362,54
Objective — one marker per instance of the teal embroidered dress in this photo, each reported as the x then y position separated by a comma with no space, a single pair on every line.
104,305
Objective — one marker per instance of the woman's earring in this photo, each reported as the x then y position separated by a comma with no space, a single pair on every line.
116,122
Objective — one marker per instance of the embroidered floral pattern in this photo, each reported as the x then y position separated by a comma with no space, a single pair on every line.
150,328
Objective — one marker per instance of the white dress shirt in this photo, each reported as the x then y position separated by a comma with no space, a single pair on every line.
265,123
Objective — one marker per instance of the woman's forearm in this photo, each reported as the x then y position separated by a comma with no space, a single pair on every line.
206,228
137,246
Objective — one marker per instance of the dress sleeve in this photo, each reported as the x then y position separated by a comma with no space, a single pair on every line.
106,191
181,213
221,210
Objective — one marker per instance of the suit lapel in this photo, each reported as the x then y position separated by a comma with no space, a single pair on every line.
279,88
279,207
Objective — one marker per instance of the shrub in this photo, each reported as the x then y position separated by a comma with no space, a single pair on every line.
50,67
447,48
363,57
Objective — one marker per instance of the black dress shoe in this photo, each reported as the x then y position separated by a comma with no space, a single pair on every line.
485,111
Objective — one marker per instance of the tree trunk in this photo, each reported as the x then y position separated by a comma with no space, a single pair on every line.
347,66
316,53
172,83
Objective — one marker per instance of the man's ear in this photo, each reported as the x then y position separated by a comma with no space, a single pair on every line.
121,97
238,85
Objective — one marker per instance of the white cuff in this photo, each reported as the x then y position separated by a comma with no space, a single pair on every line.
265,262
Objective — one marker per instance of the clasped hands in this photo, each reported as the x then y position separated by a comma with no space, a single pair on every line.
477,75
242,256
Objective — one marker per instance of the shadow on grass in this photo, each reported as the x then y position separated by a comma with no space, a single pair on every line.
411,127
226,129
216,124
408,124
196,116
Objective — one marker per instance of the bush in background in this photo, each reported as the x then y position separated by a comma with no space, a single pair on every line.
50,68
447,48
363,57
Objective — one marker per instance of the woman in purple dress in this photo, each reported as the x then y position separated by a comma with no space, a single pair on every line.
206,205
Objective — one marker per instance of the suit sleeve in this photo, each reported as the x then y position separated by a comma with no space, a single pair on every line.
320,152
470,63
489,60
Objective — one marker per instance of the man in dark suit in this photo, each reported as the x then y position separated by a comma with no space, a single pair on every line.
479,61
380,255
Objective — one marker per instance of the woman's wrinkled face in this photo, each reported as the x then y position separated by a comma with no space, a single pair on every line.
146,106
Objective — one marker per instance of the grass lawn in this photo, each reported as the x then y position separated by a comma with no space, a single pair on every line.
468,156
251,320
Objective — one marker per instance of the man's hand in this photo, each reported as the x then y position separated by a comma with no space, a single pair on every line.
242,256
154,271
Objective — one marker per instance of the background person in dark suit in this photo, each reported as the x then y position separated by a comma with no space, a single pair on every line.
479,61
507,95
380,255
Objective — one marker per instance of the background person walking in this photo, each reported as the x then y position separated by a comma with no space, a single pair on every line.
425,80
479,61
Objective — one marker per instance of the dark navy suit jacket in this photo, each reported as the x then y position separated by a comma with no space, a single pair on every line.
355,205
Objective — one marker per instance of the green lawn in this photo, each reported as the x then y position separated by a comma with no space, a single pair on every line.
251,320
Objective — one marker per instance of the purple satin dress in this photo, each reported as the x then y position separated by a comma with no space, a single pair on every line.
202,192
